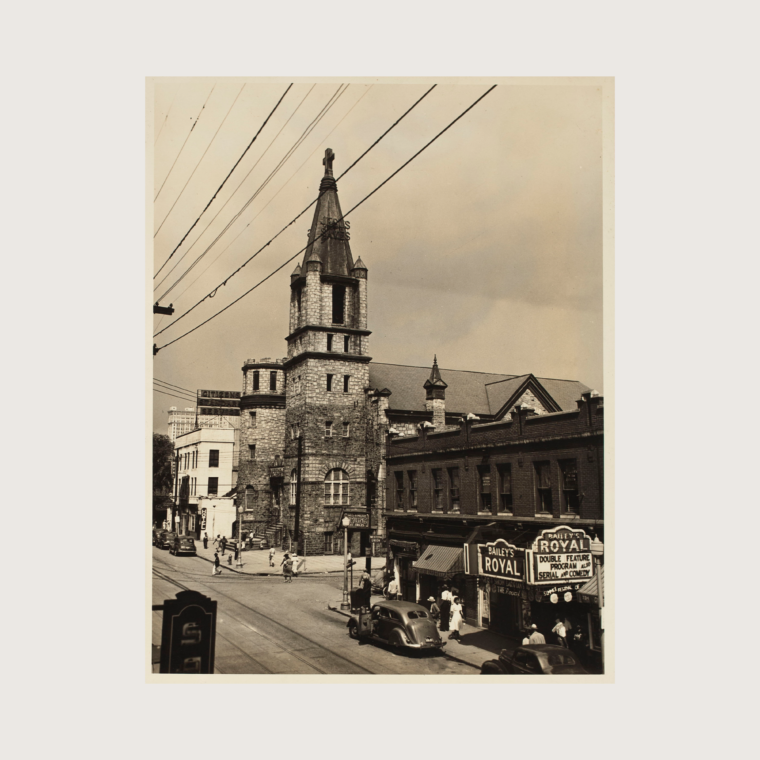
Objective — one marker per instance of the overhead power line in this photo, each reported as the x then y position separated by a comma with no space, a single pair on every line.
263,208
330,103
182,148
176,92
184,398
292,221
200,160
156,349
179,387
226,178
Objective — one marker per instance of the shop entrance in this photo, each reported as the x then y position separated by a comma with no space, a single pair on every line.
505,614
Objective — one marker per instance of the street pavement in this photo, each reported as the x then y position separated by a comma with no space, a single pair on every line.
267,626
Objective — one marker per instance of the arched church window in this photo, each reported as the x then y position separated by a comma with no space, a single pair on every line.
293,485
336,487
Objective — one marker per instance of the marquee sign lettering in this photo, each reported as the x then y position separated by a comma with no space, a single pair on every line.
498,559
562,555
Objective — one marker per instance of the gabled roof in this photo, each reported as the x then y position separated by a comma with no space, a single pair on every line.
467,392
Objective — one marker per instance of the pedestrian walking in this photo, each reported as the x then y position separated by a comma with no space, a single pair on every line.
272,552
456,619
393,588
365,587
560,632
205,540
216,569
526,638
435,610
446,599
224,544
237,552
217,540
287,569
535,636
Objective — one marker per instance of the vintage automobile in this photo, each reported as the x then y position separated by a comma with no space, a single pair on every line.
403,625
183,545
534,659
165,539
156,533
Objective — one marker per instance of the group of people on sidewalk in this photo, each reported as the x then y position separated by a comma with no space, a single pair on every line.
563,635
447,611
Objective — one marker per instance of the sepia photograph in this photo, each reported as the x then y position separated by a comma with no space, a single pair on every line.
378,382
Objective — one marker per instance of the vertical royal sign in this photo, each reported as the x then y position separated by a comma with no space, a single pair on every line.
188,634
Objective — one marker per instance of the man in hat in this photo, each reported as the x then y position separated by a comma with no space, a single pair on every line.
535,636
560,632
435,610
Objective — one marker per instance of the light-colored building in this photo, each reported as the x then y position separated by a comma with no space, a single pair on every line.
205,473
180,421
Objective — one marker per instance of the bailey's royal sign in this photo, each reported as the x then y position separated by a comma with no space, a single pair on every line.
498,559
562,554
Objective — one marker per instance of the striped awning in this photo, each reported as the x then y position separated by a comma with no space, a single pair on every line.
443,561
588,593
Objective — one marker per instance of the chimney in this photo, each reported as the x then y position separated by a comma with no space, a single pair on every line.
435,396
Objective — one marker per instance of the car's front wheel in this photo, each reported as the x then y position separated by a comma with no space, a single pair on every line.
353,630
491,668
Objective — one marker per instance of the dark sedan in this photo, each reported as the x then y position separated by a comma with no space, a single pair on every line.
534,659
400,624
165,539
182,545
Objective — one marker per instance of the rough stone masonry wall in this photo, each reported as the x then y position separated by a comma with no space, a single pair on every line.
313,387
319,456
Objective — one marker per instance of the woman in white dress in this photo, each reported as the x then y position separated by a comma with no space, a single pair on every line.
456,619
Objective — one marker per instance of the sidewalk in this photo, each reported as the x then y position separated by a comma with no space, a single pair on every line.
476,646
256,562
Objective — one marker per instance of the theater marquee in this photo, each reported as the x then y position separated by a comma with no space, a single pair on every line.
562,554
498,559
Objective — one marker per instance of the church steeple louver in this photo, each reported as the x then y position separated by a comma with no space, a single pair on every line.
329,234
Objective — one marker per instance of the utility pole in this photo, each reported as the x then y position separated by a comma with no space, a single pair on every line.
176,487
298,496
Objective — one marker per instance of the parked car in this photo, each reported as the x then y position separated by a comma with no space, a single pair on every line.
165,539
182,545
401,624
534,659
158,535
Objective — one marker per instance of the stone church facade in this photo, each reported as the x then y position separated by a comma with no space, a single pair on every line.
327,411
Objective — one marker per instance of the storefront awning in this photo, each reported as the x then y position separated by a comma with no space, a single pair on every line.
443,561
588,593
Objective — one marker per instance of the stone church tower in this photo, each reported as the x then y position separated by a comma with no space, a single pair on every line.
326,376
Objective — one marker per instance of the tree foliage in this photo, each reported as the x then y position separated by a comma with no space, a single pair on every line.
163,452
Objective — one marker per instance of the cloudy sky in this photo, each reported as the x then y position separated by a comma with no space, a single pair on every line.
486,250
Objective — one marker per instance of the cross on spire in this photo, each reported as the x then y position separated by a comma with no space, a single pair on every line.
328,162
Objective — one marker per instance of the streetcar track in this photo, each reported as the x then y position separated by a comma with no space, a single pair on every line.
275,622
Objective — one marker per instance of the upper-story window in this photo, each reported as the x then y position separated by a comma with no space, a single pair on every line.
505,487
273,381
253,419
298,300
399,491
255,379
213,486
293,485
330,342
484,478
346,378
328,429
570,500
213,458
329,382
346,344
438,494
412,475
336,487
252,451
544,486
346,430
338,304
454,488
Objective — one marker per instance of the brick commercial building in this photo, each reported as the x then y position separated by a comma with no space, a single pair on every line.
503,510
325,409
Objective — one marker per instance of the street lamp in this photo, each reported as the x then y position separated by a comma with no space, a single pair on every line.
345,604
597,551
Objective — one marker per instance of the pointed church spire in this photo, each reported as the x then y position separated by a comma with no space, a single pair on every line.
329,235
434,385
